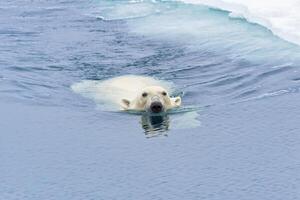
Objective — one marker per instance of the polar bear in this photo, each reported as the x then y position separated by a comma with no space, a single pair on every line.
153,99
130,92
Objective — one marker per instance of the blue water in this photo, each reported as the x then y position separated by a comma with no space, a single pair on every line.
55,144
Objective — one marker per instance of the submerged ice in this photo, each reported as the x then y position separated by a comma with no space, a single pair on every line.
281,17
192,22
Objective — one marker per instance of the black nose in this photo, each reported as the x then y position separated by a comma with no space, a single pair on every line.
156,107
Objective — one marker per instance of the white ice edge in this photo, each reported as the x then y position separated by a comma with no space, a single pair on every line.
280,17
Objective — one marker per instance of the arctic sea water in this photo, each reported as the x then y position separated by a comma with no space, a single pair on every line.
230,59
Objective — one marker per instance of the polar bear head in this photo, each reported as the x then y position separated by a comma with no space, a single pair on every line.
154,99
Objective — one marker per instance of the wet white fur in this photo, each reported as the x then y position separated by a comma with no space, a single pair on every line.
153,93
110,92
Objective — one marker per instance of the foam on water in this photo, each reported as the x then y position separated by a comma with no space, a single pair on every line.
122,10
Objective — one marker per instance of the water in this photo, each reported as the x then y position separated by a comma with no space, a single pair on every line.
236,136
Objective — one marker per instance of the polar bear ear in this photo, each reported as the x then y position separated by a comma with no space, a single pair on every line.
176,101
125,103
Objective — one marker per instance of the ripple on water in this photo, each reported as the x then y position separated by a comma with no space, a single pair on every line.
211,65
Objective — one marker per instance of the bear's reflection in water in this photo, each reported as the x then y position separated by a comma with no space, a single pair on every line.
159,125
155,125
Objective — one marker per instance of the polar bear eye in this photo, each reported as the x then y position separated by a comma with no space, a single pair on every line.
164,93
144,94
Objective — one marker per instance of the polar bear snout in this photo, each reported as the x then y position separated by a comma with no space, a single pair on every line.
156,104
156,107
